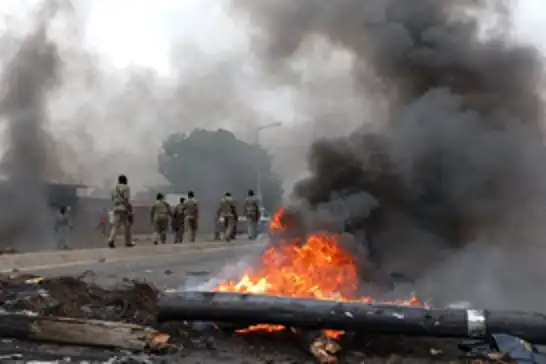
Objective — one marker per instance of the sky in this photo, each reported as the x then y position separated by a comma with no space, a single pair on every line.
140,33
150,26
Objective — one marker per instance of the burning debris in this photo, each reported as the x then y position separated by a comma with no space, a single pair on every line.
309,287
221,322
314,266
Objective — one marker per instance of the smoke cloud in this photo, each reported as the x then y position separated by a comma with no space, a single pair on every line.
70,115
28,79
448,165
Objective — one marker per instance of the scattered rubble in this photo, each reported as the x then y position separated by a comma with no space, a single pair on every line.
134,302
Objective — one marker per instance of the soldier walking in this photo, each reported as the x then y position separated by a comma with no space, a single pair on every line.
178,222
123,213
191,215
226,214
252,214
159,216
62,228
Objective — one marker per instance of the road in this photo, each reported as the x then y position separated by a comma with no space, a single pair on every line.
172,271
185,269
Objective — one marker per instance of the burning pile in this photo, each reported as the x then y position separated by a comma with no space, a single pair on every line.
315,266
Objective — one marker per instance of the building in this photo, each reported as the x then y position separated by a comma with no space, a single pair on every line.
63,194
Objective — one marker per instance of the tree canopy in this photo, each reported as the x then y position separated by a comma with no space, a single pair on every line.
211,163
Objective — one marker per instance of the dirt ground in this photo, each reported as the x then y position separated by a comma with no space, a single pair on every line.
192,343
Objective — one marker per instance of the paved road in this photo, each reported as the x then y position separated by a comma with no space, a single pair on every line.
169,271
179,271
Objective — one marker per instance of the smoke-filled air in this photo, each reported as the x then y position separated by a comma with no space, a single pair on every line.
31,72
434,155
70,115
446,178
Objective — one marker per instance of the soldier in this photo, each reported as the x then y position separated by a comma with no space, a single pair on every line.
123,213
159,216
226,213
218,227
235,222
252,214
191,215
178,221
62,228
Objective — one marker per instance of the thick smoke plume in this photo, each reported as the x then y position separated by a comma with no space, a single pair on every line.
27,79
458,159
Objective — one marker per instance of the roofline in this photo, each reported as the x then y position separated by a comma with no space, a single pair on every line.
75,185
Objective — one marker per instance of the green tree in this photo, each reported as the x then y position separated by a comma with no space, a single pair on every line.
214,162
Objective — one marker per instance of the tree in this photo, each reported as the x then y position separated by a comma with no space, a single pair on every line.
214,162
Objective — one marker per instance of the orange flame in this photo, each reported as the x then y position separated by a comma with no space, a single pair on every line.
315,267
276,222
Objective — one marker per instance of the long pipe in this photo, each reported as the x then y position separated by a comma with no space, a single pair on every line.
350,316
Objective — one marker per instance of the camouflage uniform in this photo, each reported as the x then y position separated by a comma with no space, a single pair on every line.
252,214
62,229
178,223
227,213
160,213
121,197
191,215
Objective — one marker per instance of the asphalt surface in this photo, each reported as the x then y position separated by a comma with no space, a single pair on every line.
168,271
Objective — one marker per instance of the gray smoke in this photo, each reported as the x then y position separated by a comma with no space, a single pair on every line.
457,166
68,112
27,79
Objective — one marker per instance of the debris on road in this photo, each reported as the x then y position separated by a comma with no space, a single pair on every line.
321,347
84,332
79,302
132,301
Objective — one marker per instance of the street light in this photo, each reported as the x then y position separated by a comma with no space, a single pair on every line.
258,165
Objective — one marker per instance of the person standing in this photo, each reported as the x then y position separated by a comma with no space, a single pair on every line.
62,228
178,222
252,214
226,213
159,216
123,213
191,215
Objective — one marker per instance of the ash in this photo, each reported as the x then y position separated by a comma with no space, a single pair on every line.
135,302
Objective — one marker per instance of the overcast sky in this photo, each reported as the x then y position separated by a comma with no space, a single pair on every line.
150,25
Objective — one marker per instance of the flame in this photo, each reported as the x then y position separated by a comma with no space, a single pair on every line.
314,267
276,222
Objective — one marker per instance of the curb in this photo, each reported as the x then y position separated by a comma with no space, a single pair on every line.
45,260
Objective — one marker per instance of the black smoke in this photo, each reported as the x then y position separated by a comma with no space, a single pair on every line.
29,76
459,157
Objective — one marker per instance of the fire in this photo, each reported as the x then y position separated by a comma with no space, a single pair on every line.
276,223
314,267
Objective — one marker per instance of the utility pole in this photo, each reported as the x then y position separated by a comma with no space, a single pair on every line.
257,158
